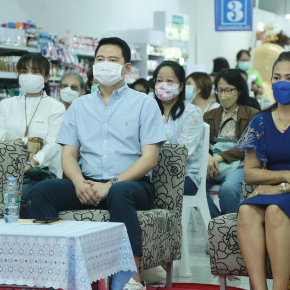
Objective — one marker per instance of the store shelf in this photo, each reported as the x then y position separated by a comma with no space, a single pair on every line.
6,48
156,54
136,59
8,75
83,52
54,79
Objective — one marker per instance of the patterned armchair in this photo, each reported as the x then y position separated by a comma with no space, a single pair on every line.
12,163
160,226
224,251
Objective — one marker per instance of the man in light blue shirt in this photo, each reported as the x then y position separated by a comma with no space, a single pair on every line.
118,132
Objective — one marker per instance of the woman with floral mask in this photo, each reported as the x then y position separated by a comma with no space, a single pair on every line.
263,219
227,124
244,63
182,120
198,91
72,86
34,114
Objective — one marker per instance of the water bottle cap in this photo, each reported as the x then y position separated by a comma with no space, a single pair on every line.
11,179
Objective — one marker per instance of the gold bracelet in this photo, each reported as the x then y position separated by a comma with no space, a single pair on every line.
278,176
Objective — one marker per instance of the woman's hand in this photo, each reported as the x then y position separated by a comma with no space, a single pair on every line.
267,190
213,166
27,168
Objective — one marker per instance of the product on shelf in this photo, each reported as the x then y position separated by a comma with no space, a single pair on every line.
8,63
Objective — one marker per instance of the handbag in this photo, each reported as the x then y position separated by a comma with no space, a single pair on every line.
221,145
34,144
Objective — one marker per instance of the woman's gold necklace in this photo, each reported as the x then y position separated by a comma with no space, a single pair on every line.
285,125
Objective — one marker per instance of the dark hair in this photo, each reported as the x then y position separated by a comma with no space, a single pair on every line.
38,61
242,72
90,77
180,74
220,64
143,83
126,51
214,74
233,77
151,84
283,56
240,53
203,82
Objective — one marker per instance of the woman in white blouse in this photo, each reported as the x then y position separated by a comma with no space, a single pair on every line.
34,114
198,91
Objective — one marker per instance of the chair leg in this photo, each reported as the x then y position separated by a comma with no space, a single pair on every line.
194,216
251,285
169,275
223,282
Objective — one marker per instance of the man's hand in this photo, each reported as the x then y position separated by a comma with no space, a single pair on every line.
267,190
213,166
100,190
85,194
27,168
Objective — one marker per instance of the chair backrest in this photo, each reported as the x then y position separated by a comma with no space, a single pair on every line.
204,161
168,177
12,162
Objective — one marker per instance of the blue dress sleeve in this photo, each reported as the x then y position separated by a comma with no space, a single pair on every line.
254,137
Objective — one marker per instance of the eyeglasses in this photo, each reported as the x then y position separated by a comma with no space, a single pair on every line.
73,87
159,81
227,91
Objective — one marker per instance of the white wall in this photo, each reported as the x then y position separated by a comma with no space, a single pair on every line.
94,17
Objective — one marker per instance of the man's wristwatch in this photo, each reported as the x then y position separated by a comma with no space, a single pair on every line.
284,187
29,162
114,180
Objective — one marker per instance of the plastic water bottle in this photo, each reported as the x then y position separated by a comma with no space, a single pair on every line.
11,201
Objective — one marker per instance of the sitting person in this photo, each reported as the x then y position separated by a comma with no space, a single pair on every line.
72,86
92,83
263,219
227,124
34,114
118,132
183,121
252,101
141,85
244,63
198,91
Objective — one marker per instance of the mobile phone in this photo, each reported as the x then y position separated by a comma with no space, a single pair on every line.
46,220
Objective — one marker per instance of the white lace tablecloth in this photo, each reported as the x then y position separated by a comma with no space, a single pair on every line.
69,255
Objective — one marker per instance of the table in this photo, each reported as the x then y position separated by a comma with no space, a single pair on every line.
68,255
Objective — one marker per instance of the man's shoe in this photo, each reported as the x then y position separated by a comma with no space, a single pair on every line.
133,285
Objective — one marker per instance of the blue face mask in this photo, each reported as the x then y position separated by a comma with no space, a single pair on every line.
281,92
94,88
151,94
189,94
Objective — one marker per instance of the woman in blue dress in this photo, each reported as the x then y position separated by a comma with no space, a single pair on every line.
263,218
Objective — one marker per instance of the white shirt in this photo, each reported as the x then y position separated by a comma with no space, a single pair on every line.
45,124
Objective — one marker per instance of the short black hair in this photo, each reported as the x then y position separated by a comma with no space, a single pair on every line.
233,77
180,74
142,82
38,61
126,51
239,54
219,64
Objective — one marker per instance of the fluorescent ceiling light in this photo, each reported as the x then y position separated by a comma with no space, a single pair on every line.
287,16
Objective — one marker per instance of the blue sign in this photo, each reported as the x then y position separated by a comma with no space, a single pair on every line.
233,15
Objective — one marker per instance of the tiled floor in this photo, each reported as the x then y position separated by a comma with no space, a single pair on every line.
200,265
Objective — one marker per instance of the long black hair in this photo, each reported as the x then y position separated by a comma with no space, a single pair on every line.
38,61
233,77
180,74
284,56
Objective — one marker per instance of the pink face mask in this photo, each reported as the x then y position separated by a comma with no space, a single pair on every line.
166,91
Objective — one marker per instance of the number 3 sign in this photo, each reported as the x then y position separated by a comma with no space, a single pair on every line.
233,15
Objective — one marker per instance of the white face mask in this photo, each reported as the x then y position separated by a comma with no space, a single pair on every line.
31,83
108,73
68,95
